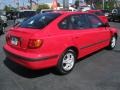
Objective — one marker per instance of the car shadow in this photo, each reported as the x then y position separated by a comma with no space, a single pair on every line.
90,55
27,73
24,72
116,50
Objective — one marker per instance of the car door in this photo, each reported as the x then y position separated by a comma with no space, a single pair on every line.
83,38
90,35
85,34
77,27
98,34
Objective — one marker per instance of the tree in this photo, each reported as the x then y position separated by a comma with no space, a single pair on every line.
108,5
58,4
7,8
42,6
76,4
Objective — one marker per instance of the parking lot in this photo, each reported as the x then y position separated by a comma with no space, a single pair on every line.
99,71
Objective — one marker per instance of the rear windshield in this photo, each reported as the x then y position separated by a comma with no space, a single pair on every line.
39,21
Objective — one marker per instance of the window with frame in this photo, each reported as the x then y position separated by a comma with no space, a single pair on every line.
74,22
64,23
94,21
39,21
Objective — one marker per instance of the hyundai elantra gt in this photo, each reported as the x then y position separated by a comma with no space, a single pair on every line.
57,39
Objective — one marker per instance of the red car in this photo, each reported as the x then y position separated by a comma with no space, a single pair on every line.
57,39
100,14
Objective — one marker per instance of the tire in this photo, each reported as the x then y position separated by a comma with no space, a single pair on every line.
113,20
0,32
112,43
3,30
67,62
109,20
5,25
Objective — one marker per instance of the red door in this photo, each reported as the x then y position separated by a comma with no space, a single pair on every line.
89,37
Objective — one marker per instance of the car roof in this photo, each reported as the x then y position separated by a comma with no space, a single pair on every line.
94,10
68,12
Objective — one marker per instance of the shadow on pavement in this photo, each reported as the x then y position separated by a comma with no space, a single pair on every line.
117,51
27,73
24,72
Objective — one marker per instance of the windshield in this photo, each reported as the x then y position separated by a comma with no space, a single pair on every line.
39,21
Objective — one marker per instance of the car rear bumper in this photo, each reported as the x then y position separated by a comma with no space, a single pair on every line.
32,62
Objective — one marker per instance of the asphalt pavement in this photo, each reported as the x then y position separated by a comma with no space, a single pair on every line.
99,71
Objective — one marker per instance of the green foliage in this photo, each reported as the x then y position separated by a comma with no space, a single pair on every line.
7,8
76,4
108,5
99,5
42,6
58,4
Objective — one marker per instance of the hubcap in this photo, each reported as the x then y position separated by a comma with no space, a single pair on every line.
68,61
113,42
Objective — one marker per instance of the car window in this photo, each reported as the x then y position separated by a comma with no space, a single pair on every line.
64,24
74,22
39,21
94,21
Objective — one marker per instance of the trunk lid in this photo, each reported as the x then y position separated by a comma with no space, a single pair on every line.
19,37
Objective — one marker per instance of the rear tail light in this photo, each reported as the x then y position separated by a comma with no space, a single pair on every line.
34,43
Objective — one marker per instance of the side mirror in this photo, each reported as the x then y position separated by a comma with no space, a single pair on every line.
103,25
106,25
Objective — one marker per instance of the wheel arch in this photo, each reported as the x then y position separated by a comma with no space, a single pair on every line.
116,35
75,49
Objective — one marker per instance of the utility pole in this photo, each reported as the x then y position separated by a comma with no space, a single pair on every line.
18,5
103,1
30,1
37,3
117,3
65,4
